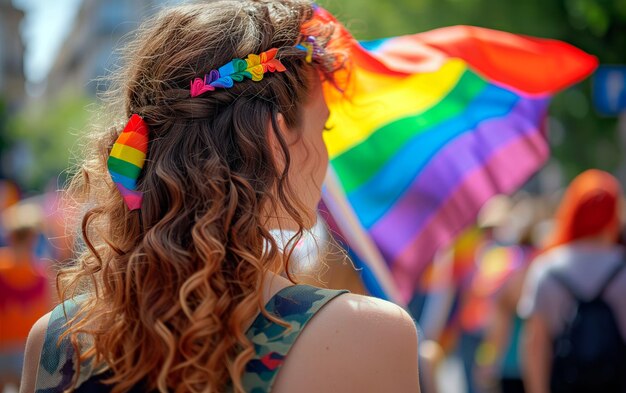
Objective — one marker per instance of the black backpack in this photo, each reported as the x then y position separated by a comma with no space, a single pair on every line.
589,355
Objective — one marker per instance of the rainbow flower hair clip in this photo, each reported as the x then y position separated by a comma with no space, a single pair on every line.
253,67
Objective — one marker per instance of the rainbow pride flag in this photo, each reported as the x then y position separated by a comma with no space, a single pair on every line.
436,124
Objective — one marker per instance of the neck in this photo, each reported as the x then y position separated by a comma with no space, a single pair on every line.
279,219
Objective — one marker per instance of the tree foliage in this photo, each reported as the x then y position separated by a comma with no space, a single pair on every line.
44,135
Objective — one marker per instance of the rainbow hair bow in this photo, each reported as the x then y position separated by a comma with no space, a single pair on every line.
253,67
127,158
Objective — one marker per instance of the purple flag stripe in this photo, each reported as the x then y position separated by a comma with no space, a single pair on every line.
509,167
442,176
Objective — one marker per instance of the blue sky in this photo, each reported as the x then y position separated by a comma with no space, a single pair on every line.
44,28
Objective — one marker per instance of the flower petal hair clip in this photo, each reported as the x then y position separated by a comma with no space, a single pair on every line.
253,67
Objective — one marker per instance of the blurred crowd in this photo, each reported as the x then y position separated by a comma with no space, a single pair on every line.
33,242
528,300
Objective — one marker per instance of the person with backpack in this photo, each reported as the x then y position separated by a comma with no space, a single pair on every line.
575,332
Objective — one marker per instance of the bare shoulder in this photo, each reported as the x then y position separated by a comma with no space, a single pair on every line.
355,343
368,314
32,354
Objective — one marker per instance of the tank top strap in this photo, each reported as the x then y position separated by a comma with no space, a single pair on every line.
295,305
56,363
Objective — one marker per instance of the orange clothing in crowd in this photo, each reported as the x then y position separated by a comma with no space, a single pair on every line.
24,298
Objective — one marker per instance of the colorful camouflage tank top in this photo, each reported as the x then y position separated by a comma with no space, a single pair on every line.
295,305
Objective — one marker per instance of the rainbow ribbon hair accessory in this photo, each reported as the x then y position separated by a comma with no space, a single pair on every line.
127,158
253,67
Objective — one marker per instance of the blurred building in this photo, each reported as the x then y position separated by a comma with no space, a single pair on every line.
11,55
88,52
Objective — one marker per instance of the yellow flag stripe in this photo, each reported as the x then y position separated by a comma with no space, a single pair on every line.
393,99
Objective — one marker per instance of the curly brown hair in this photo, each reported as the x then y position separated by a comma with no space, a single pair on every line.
168,290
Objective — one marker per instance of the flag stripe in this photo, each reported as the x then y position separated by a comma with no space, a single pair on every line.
386,141
440,178
509,167
374,198
534,66
397,99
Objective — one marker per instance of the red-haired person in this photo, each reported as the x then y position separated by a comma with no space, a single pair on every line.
181,286
573,296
